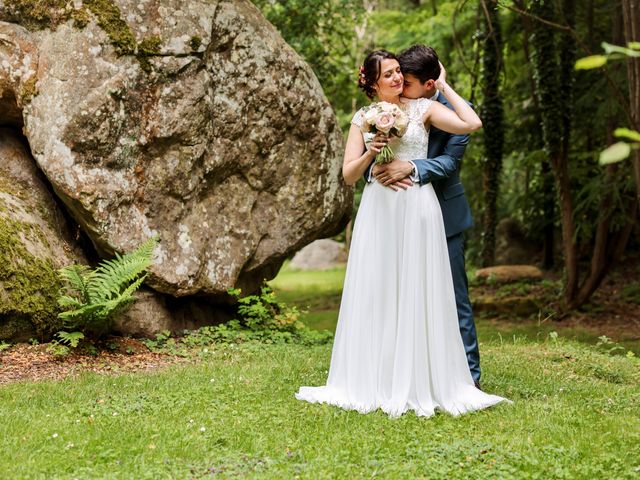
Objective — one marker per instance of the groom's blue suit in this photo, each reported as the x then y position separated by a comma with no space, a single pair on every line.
441,168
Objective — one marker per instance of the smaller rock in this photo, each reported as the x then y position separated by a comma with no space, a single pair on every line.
147,316
153,312
509,273
509,306
513,247
320,255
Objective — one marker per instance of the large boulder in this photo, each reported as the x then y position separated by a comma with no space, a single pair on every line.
34,242
191,120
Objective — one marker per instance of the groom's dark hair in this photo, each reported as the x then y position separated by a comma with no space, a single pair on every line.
421,62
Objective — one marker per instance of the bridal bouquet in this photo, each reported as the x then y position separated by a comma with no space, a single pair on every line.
387,118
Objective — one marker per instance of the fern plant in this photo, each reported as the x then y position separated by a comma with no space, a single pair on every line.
93,298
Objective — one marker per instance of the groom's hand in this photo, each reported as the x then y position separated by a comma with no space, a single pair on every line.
394,174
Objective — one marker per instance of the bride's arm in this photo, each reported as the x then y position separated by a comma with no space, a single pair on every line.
463,120
355,162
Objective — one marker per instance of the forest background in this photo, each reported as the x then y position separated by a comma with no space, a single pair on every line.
533,172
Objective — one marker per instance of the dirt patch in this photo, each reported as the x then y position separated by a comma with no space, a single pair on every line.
614,310
118,355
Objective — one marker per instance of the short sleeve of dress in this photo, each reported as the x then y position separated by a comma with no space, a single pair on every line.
357,119
423,105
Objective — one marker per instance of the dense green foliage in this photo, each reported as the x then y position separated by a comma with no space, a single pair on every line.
582,108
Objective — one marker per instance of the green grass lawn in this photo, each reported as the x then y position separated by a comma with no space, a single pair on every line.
319,293
576,415
232,414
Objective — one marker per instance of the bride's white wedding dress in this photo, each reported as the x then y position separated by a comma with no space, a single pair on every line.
397,345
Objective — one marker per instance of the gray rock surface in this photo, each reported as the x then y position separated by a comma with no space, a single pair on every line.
153,312
187,119
321,254
509,273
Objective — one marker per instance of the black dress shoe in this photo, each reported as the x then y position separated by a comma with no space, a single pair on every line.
477,384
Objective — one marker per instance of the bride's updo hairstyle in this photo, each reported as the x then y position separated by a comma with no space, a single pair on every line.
370,71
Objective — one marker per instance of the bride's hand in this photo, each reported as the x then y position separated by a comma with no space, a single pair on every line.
379,141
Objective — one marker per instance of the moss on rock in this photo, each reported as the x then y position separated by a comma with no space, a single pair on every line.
146,48
110,20
29,89
29,285
40,14
81,17
195,43
150,45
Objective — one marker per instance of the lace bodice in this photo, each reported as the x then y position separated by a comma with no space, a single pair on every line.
415,142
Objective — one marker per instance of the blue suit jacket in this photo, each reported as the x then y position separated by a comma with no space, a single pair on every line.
442,169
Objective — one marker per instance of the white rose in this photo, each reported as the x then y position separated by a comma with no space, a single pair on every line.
385,122
387,107
370,116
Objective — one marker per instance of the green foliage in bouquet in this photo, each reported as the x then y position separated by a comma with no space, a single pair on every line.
93,298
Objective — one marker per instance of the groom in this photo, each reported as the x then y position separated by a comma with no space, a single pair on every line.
421,68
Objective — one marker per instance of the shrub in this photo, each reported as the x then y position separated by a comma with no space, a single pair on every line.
263,319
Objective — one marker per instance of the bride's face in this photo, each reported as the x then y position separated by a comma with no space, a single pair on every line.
390,82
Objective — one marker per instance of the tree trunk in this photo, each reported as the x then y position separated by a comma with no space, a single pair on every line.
548,190
590,30
631,19
492,117
600,262
567,61
608,247
545,60
549,209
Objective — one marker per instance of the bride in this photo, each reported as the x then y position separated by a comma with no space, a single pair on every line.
397,345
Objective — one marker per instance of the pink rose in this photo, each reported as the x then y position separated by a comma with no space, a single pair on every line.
384,122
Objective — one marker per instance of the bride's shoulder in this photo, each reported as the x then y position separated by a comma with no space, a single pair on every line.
419,104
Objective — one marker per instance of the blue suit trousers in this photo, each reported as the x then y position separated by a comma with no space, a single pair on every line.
465,313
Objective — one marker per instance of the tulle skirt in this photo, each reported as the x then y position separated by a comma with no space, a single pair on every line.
397,345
